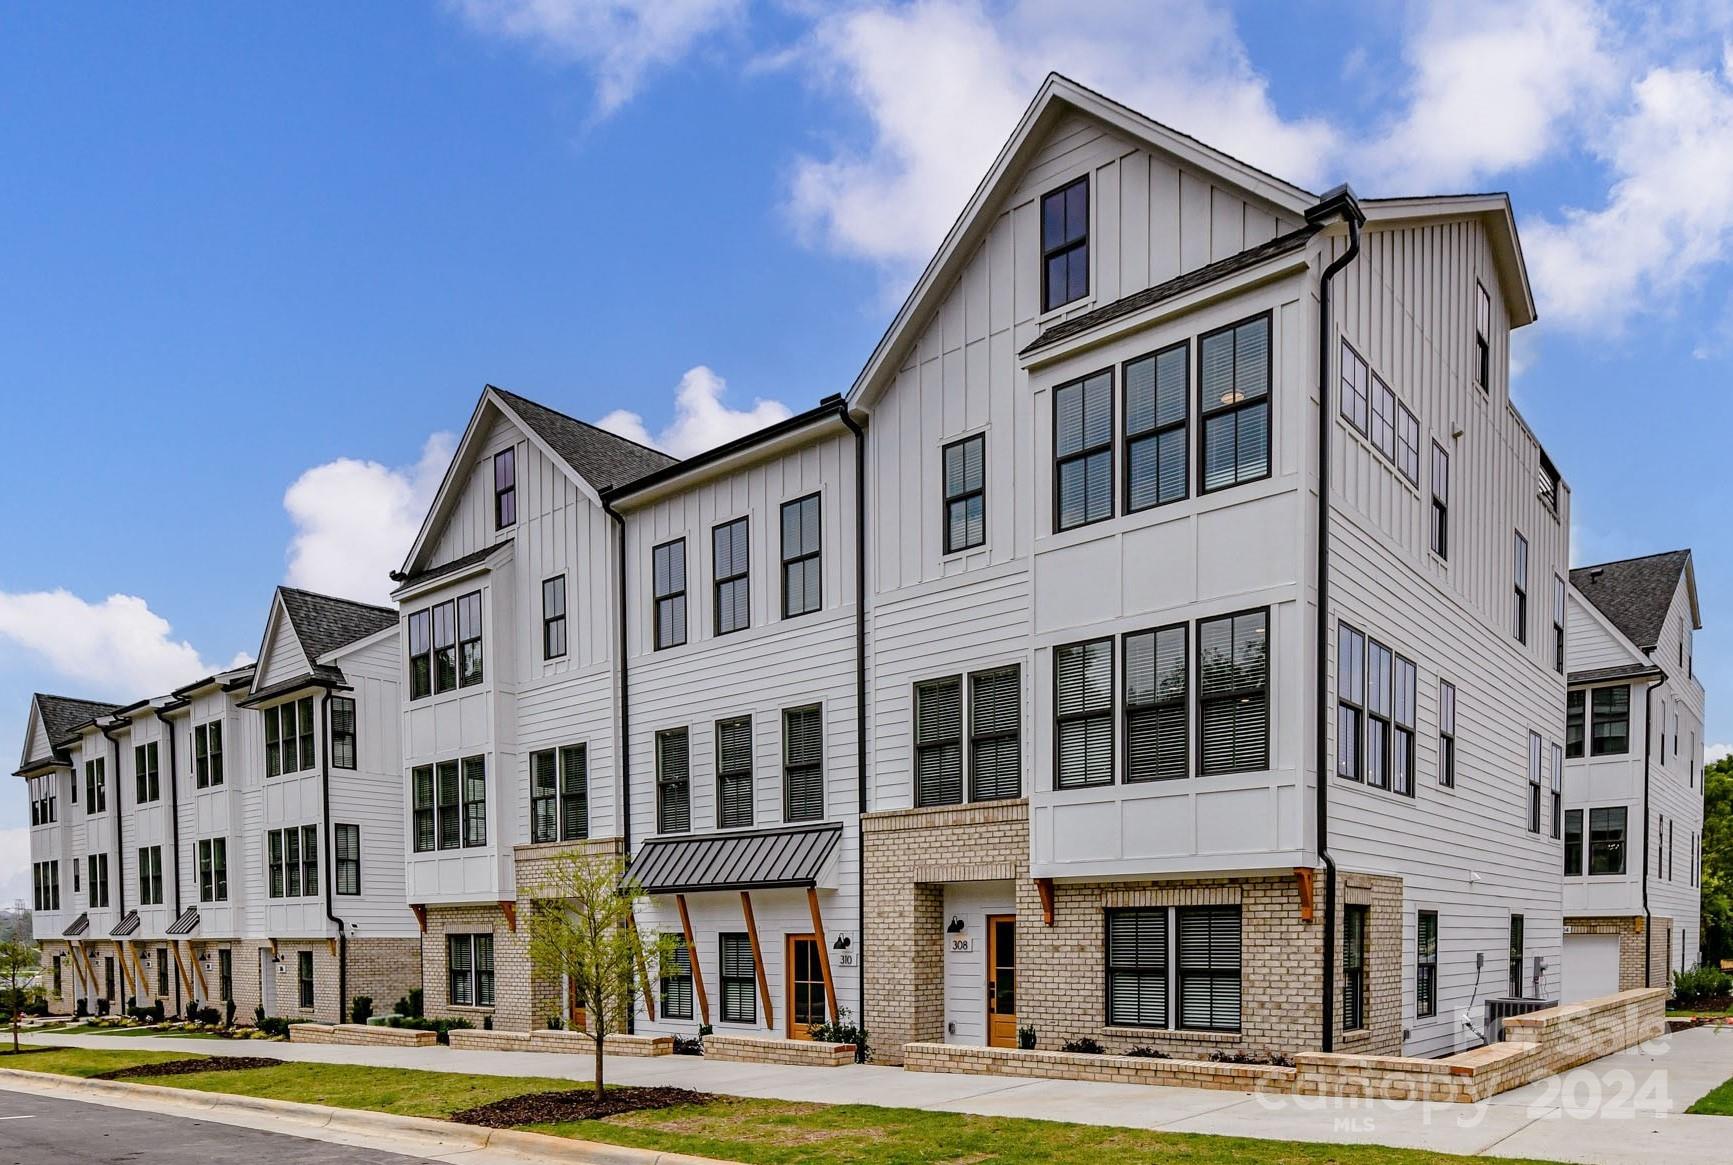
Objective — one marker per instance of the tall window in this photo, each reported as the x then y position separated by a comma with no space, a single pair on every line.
450,804
676,975
1083,708
1350,702
1236,404
544,797
1065,244
1083,451
420,654
1155,704
1379,675
1534,781
730,546
1356,402
1234,692
1516,945
293,861
469,970
474,800
1209,967
734,772
469,638
97,885
554,617
802,573
213,869
1558,624
505,488
1426,964
42,799
225,975
1610,732
1157,400
1575,716
965,493
95,785
1482,337
1607,841
1440,530
739,997
347,874
803,764
421,781
1557,756
673,782
939,742
150,876
208,754
342,732
289,737
1402,733
1383,418
147,776
1408,444
1573,842
668,570
1447,734
1519,579
995,723
1137,968
1355,972
304,977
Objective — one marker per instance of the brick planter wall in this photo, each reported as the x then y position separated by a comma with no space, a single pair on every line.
616,1044
360,1033
1107,1069
801,1053
474,1040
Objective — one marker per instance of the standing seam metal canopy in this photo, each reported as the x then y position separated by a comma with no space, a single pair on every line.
187,922
760,859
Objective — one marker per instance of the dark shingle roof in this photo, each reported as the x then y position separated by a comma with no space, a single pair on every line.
62,714
1619,671
323,623
1634,593
446,568
601,458
1179,285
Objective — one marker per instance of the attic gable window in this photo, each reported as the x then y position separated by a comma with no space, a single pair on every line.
1065,244
1482,337
505,488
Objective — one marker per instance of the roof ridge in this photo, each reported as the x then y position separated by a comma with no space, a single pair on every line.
71,699
1633,558
392,611
591,425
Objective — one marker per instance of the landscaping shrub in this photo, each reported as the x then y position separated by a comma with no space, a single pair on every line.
1278,1060
1085,1045
842,1030
229,1013
1026,1037
1147,1052
1700,983
441,1028
361,1009
688,1045
272,1025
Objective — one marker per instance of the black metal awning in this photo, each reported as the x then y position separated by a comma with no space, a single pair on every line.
128,924
187,922
77,927
758,859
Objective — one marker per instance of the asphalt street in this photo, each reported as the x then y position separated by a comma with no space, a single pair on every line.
38,1130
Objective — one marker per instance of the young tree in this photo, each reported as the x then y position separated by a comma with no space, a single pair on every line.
1717,859
582,927
20,963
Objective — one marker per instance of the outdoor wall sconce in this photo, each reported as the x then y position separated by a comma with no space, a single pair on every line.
842,943
956,926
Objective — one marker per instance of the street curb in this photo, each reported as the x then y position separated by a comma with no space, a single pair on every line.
531,1146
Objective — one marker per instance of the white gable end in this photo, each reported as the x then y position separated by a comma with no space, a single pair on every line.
282,658
36,742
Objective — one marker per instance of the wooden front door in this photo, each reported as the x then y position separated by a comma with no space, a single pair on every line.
1001,980
577,1019
805,985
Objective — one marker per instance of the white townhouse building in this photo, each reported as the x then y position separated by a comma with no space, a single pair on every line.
1633,794
238,840
1151,645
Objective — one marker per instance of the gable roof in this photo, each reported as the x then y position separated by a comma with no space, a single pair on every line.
61,717
1635,594
603,459
324,623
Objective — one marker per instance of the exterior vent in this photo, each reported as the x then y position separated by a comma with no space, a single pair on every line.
1499,1010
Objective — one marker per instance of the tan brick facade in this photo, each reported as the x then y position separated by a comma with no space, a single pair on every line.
1630,930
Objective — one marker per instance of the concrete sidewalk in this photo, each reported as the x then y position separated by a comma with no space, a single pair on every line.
1625,1109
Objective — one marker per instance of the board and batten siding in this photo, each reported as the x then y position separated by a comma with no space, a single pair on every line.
371,795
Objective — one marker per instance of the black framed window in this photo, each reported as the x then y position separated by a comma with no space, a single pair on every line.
939,742
1516,947
293,861
965,466
1573,842
673,781
1610,727
1447,734
1440,528
1402,728
445,646
150,875
802,564
1535,760
343,751
1083,714
1234,386
420,654
1208,946
675,973
1137,968
450,789
1482,337
304,977
1157,406
554,617
739,992
1519,581
346,874
422,808
668,578
146,773
803,763
730,551
1083,451
474,801
995,727
1383,418
1408,444
97,885
1065,244
1156,668
1356,400
1234,692
1558,624
289,737
469,970
734,772
1607,832
574,792
1379,676
96,785
214,869
1426,964
505,488
469,639
1355,976
1576,719
544,796
1556,755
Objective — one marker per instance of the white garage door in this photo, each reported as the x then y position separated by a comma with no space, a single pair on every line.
1591,966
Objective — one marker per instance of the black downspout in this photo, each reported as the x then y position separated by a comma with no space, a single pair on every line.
118,882
1648,749
331,858
860,696
624,758
174,826
1338,201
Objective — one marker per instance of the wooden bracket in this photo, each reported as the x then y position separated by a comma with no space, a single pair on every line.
181,967
638,958
331,947
692,957
507,907
1303,877
420,913
1044,887
758,961
823,950
199,970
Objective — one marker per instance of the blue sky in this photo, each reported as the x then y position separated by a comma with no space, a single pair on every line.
261,259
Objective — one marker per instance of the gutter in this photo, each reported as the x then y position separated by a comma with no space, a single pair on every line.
1339,201
1648,751
331,857
174,801
860,698
118,885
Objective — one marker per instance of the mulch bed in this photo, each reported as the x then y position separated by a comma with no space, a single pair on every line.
580,1104
188,1067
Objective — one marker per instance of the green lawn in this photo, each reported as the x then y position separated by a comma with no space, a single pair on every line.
1717,1103
763,1132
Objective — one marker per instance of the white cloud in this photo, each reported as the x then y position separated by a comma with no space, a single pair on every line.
1668,216
1492,87
618,40
942,83
118,648
1715,752
701,420
354,520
